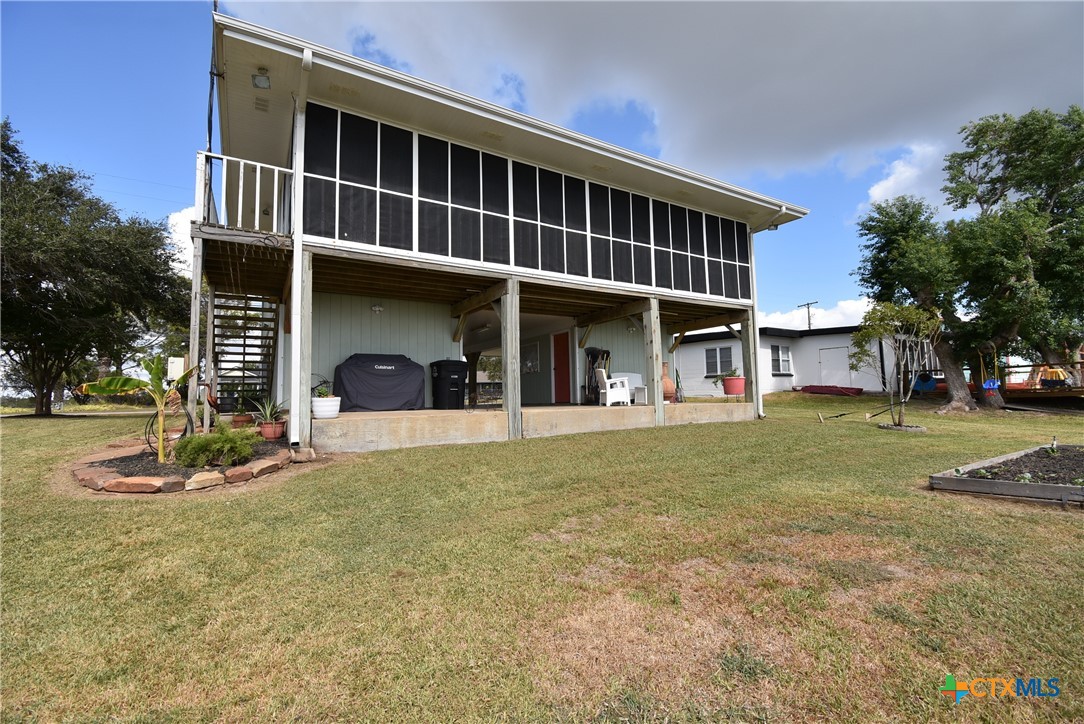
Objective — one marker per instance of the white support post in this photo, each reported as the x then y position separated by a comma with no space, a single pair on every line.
299,384
304,332
753,391
510,357
280,351
209,350
193,323
653,353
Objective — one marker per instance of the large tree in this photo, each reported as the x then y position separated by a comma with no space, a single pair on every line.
1013,272
78,281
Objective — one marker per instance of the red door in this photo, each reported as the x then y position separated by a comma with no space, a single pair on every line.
562,382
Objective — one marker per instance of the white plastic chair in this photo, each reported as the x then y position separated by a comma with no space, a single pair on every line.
612,390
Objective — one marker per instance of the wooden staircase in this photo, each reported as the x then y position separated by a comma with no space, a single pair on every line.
245,337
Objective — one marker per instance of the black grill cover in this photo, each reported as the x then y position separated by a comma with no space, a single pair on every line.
380,382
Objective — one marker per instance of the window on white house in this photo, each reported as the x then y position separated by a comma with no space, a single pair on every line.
780,359
718,360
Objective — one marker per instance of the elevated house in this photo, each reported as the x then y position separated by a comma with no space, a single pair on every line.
356,209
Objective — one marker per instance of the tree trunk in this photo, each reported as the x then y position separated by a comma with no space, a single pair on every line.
989,399
959,397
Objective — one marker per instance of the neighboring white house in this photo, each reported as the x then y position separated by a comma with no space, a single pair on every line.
356,209
788,358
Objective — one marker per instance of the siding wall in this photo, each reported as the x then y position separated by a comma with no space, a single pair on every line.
344,324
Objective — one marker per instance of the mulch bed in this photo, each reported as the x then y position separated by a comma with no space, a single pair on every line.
146,463
1065,467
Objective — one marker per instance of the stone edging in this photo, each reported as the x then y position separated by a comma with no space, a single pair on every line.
109,480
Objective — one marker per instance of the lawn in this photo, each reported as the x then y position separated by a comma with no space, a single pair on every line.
781,570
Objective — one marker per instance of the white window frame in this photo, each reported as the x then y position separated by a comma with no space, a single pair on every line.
713,354
781,360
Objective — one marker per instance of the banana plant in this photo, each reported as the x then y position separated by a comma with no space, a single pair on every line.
164,395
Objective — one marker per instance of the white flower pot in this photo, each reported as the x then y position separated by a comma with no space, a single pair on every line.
325,408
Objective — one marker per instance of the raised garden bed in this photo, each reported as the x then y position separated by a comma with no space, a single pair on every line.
1038,473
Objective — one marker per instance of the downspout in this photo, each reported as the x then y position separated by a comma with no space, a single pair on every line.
758,395
296,283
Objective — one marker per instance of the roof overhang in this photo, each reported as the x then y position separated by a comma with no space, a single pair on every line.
257,124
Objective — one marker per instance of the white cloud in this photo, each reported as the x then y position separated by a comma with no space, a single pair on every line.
916,172
845,313
180,236
735,88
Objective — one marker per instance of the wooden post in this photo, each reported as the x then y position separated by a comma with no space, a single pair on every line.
472,377
748,358
209,350
653,353
510,358
304,331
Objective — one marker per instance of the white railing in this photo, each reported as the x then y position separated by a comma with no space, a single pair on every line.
239,194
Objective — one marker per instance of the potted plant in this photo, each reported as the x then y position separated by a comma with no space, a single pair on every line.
325,405
242,417
733,383
270,418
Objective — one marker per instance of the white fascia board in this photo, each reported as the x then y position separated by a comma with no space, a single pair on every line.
352,65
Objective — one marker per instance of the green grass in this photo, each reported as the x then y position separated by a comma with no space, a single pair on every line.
778,570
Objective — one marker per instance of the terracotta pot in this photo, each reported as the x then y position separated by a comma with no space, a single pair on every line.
242,419
733,385
669,389
272,430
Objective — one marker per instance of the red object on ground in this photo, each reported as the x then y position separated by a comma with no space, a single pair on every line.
832,390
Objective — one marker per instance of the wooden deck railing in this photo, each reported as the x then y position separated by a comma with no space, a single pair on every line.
239,194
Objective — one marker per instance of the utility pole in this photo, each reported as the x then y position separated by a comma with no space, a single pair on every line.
808,313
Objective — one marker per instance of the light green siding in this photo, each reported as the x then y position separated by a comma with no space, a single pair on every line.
626,348
343,325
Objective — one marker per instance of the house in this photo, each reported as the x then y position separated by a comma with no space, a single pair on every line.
356,209
787,358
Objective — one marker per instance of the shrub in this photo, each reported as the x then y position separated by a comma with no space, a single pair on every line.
222,446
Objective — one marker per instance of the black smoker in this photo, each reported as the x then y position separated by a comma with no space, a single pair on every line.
449,384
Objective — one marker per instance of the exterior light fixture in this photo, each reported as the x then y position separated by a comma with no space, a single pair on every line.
261,80
377,309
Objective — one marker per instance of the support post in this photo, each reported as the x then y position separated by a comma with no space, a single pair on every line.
299,384
653,353
193,321
754,390
472,377
748,359
510,359
304,331
209,351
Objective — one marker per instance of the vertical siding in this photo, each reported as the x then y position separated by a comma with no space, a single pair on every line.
343,325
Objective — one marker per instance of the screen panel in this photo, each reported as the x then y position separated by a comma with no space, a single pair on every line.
524,191
357,149
730,252
396,159
576,253
679,229
396,221
641,264
466,234
698,277
663,277
432,168
552,249
321,139
696,233
526,243
432,228
660,224
357,214
641,219
715,277
621,258
681,271
742,241
600,257
551,197
319,207
575,203
494,183
730,280
711,232
495,239
466,177
599,199
621,214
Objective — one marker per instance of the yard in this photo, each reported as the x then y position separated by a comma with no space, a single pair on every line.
780,570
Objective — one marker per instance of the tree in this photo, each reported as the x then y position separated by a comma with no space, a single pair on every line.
492,366
907,330
164,395
78,281
1015,271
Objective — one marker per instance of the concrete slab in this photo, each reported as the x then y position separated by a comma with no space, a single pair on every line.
549,421
368,431
690,413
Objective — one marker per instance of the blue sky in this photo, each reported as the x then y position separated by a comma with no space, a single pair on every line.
823,105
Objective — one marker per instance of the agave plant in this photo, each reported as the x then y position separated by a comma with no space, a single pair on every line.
164,395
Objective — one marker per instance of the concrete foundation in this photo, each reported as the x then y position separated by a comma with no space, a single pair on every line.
693,413
549,421
368,431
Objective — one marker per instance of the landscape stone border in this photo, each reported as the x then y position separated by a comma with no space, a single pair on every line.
106,479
